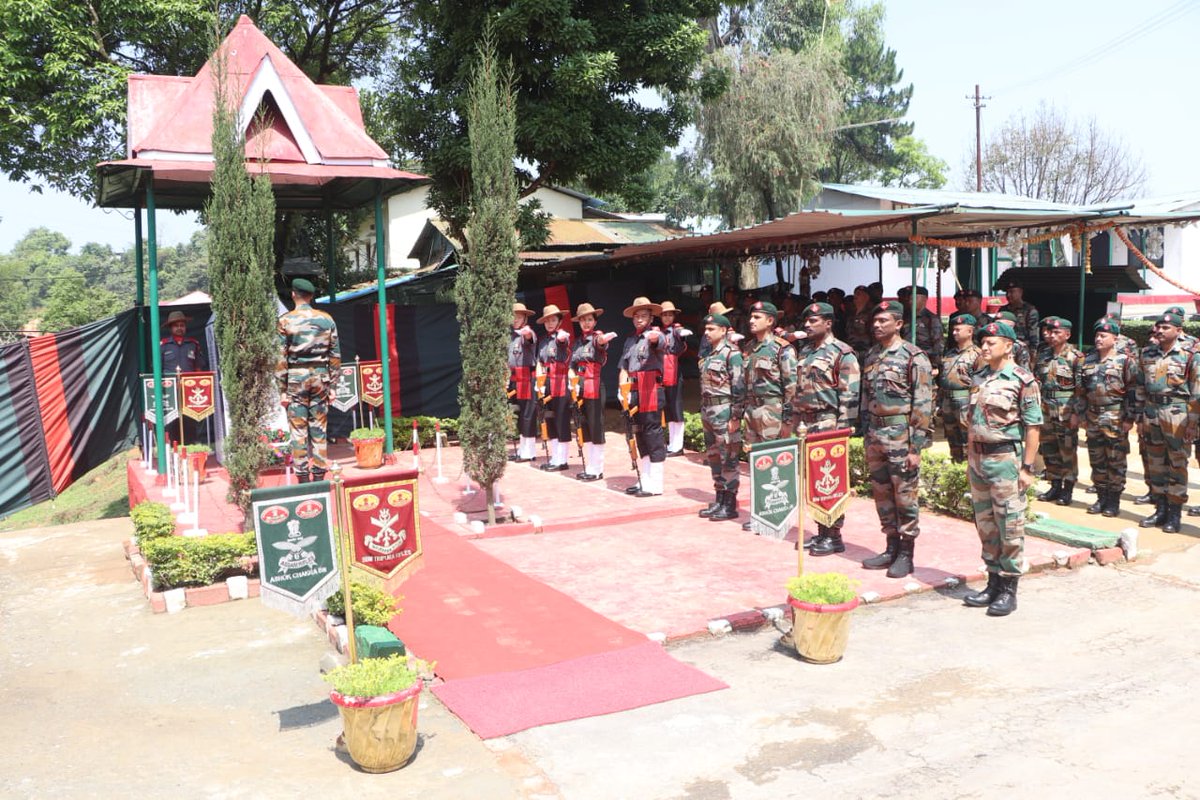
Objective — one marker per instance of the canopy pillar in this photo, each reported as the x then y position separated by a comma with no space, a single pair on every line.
155,325
385,332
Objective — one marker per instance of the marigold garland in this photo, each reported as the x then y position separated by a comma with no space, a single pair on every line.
1150,265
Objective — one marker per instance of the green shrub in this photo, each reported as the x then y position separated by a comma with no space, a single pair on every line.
860,478
151,521
823,588
371,606
944,486
197,448
359,434
374,677
402,429
693,432
1139,330
178,561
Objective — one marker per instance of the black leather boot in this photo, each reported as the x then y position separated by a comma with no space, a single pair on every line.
903,565
1143,499
1064,497
1172,523
1193,511
728,509
302,477
884,559
986,595
1113,507
828,544
822,532
637,487
1160,513
1100,504
1006,598
714,505
1092,489
1052,493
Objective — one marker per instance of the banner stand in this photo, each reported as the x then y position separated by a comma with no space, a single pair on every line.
344,555
802,482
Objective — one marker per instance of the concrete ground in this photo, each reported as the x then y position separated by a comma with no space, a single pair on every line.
1089,690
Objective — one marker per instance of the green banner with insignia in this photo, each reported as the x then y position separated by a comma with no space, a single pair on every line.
170,398
297,550
774,488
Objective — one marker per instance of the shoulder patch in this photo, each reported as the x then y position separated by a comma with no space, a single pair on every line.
779,340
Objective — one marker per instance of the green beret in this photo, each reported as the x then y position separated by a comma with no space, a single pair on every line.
889,307
999,329
963,319
1176,310
1054,323
303,285
1170,319
1007,316
719,320
764,307
1107,326
819,310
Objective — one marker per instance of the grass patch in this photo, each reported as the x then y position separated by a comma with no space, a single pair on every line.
103,493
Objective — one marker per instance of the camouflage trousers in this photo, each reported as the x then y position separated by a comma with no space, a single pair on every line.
1059,446
764,421
999,506
1167,451
308,401
893,486
723,447
1108,449
954,425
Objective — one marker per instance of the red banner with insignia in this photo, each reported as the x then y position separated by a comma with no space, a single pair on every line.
383,525
197,395
827,488
370,376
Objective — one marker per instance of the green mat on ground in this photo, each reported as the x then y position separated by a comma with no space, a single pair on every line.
1074,535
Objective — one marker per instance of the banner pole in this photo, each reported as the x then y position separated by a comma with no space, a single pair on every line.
343,538
802,485
178,397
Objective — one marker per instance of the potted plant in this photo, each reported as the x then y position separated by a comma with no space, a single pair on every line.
821,605
377,698
368,447
197,456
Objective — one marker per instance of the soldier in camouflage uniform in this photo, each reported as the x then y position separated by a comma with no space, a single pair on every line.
1025,314
308,358
1058,373
959,363
929,336
827,396
1170,398
1109,398
1143,432
722,391
1022,355
1006,412
770,377
1190,343
858,324
897,403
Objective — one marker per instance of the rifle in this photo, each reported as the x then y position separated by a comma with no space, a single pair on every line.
542,400
630,428
577,418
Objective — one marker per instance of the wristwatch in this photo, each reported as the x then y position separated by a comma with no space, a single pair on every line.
1029,468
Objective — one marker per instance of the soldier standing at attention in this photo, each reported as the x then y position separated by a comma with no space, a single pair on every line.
1171,394
897,404
587,359
1024,314
309,357
722,392
858,324
827,396
1022,355
1142,431
675,346
641,365
954,381
1058,372
770,374
1190,343
522,358
554,364
1006,413
929,337
1109,392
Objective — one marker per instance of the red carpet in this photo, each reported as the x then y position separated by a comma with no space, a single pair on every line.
504,703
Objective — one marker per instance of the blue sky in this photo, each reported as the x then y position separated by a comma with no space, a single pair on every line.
1134,67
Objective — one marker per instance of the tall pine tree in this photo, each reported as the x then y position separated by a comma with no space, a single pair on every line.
487,281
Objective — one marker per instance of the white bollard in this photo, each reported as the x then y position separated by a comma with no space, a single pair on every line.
468,489
181,489
437,440
171,492
195,530
496,503
478,526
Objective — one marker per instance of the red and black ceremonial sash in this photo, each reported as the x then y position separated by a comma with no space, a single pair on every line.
647,387
522,381
589,371
670,369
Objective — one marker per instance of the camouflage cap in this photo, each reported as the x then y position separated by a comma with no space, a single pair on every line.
303,285
964,319
819,310
1107,326
1007,316
1170,319
763,307
1055,323
719,320
999,329
888,307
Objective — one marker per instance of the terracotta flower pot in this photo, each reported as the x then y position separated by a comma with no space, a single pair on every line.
380,732
199,464
368,453
820,631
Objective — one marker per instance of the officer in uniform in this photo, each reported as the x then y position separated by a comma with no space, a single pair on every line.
827,396
587,360
1109,393
1189,342
676,345
929,335
722,394
641,367
1025,315
181,353
770,376
553,366
897,404
1006,413
522,359
959,363
1058,373
1143,433
1171,394
858,324
309,358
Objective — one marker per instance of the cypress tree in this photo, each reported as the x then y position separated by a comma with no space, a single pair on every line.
487,281
241,225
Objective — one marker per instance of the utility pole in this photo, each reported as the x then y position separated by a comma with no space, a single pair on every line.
978,138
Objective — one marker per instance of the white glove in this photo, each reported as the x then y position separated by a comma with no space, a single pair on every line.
653,335
735,337
526,331
563,336
605,338
684,332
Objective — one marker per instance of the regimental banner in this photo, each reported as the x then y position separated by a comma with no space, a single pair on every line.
370,382
343,395
774,494
297,552
384,528
198,395
827,474
170,398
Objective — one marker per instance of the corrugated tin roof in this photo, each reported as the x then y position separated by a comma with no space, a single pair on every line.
941,197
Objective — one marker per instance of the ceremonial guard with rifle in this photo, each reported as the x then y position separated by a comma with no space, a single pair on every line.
642,398
553,366
722,392
676,344
522,358
587,359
